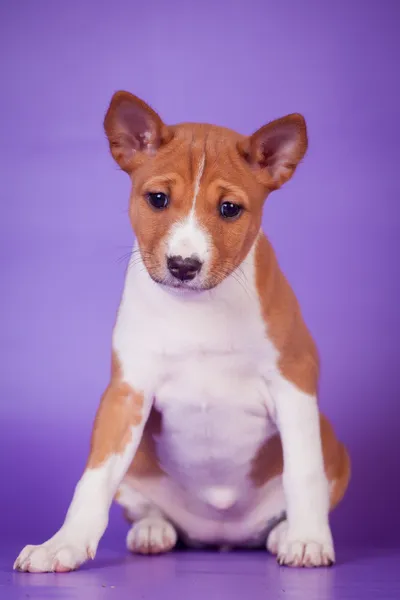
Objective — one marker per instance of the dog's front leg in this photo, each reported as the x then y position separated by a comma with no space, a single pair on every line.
117,431
307,539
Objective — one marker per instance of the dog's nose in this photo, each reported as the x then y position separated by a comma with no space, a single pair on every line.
184,269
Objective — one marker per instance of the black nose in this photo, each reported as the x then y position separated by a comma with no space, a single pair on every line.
184,269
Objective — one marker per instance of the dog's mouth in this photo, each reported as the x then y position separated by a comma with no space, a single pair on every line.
194,286
180,286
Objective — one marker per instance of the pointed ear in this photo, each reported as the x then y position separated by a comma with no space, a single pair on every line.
132,127
276,149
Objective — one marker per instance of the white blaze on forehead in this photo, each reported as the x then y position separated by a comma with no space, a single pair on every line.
187,237
197,181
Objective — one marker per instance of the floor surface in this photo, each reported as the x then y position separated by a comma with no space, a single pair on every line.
362,574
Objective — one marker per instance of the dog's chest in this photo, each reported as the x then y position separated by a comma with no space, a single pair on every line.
213,394
210,360
215,415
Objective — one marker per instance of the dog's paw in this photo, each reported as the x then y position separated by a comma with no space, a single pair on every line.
151,536
299,549
59,555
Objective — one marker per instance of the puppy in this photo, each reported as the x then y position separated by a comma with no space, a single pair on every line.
209,429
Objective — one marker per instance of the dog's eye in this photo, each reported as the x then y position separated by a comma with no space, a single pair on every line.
230,210
157,200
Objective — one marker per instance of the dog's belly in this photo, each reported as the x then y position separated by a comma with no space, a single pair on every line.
245,524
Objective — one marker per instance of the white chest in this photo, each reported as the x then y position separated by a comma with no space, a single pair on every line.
206,360
215,417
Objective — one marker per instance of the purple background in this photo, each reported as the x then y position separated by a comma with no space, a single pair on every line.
64,225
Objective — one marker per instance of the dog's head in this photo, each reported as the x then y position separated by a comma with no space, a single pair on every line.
198,190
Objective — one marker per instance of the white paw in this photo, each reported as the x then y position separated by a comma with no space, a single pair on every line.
151,536
298,549
59,554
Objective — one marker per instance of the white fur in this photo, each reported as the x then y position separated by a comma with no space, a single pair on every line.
220,497
87,517
306,487
206,360
187,238
197,182
151,535
203,522
220,391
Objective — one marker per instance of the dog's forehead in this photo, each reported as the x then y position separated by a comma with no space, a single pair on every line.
209,148
210,138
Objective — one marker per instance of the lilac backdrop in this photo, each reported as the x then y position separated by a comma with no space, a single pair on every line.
64,224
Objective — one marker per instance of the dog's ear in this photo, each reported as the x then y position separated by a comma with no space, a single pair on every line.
276,149
132,127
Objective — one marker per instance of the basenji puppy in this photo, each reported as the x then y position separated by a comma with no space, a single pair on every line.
209,430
